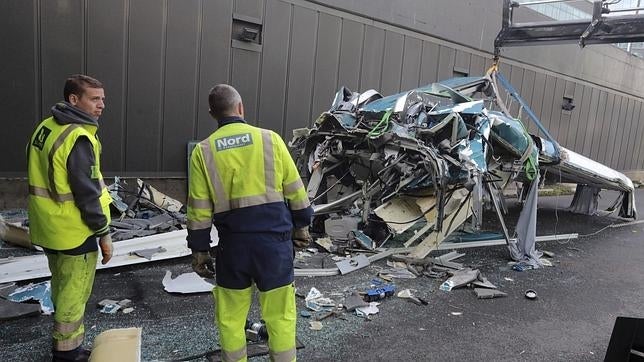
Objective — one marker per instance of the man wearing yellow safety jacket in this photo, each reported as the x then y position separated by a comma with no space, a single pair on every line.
69,207
244,180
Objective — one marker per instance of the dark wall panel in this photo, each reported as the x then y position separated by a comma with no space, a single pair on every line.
392,63
516,79
537,100
573,127
410,77
637,139
446,60
106,61
477,66
592,121
555,115
429,63
19,56
599,112
583,142
275,65
245,78
180,96
327,59
301,64
62,47
526,92
374,40
350,54
214,62
626,142
146,54
252,8
607,125
615,129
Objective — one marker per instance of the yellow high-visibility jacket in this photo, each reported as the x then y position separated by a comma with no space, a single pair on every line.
55,222
245,178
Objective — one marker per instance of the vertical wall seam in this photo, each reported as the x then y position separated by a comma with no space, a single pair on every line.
38,65
288,69
315,64
125,81
420,63
85,35
195,106
402,62
164,53
260,70
364,35
339,59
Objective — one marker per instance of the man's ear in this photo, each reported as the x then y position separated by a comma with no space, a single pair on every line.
73,99
240,109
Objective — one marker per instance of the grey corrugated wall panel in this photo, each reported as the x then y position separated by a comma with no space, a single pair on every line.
20,57
252,8
516,79
350,54
62,47
639,162
626,138
275,65
637,138
573,127
462,61
301,63
372,52
546,108
555,115
244,76
620,137
588,115
537,100
477,66
410,77
616,128
106,61
599,112
608,125
526,92
446,59
392,63
593,119
429,63
181,79
146,54
214,61
327,57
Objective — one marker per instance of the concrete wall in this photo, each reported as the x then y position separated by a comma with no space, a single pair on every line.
158,60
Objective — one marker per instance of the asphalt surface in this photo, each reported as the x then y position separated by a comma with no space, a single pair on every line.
594,279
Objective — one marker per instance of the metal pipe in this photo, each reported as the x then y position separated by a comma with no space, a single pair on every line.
546,2
627,9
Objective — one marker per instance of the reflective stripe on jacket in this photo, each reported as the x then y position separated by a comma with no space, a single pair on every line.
55,221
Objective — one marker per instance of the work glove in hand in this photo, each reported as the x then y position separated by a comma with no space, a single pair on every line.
105,243
301,237
202,264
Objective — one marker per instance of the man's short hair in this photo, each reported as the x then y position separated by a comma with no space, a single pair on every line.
222,100
77,83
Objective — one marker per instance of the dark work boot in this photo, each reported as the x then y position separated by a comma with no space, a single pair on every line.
77,355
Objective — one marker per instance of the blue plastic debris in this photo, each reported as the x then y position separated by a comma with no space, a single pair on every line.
40,292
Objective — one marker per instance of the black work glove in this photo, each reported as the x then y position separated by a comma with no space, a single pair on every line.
301,237
202,264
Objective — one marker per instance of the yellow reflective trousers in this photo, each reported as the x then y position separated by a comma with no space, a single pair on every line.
278,311
72,278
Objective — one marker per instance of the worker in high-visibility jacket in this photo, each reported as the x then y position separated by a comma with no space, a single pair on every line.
69,207
244,180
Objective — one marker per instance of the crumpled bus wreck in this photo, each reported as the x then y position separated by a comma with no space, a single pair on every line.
430,158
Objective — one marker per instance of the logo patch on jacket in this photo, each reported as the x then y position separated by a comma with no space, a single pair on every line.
41,137
240,140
